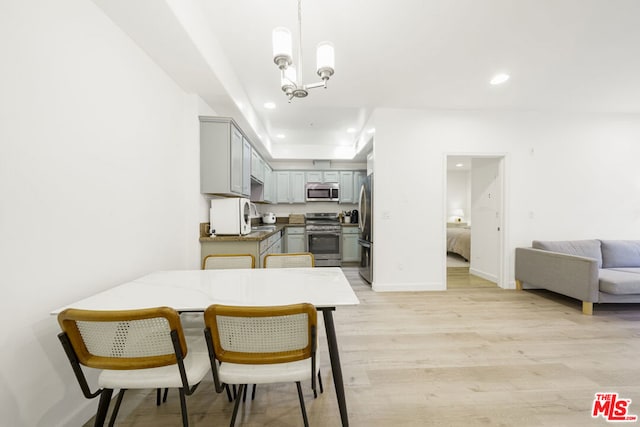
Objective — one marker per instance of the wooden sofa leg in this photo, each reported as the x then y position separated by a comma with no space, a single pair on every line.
518,285
587,308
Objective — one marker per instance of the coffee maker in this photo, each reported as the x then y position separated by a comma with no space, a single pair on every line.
354,216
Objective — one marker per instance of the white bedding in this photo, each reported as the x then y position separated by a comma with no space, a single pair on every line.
459,241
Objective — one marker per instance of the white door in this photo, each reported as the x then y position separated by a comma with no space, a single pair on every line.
486,214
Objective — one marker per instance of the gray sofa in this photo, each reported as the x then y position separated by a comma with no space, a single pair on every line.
593,271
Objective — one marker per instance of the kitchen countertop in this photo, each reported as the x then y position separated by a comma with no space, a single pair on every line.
254,236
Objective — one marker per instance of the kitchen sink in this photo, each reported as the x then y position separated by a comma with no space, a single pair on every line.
263,228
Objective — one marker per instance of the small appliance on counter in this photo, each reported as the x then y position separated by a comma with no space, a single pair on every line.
253,211
269,218
231,216
354,216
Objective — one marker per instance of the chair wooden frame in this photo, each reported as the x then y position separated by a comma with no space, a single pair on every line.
284,257
219,353
79,353
222,256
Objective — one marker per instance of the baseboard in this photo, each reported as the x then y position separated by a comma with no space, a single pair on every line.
82,413
490,277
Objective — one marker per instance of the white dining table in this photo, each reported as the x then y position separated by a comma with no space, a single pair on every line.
194,290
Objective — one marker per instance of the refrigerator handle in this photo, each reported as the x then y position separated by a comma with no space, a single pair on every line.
364,243
362,205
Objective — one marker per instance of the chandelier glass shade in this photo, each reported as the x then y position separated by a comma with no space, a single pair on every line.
291,79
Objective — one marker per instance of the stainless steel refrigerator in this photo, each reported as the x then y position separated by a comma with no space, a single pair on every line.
365,206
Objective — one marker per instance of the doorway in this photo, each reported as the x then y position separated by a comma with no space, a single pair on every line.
474,219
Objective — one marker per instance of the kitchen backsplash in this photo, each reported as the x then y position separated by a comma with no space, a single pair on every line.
303,208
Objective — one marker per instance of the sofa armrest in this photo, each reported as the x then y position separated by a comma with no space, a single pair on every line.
570,275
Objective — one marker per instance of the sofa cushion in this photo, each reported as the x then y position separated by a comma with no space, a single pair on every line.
619,282
635,270
620,253
585,248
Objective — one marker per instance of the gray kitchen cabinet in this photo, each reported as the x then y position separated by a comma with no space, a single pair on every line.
272,245
295,239
290,186
358,178
225,158
269,184
246,167
315,176
346,187
331,176
350,246
257,166
323,176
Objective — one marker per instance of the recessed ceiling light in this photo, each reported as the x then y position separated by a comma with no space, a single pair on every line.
499,79
280,136
269,105
351,130
459,165
372,130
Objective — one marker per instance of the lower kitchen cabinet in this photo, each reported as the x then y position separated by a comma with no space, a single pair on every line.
258,248
295,239
350,246
272,245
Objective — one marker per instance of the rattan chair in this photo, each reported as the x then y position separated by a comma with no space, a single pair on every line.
228,261
136,349
192,322
262,345
292,260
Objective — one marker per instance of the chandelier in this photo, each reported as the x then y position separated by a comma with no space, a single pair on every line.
291,82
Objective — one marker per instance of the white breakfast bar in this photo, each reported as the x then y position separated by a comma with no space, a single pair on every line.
194,290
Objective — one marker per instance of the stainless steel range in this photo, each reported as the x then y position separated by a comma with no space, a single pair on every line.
324,238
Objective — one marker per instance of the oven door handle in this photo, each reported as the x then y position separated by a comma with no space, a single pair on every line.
324,233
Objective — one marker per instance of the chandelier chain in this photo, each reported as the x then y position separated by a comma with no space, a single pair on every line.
299,74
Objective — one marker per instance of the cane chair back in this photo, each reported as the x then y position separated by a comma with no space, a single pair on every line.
262,345
228,261
292,260
133,339
143,348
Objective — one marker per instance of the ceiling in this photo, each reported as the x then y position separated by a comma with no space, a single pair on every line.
562,55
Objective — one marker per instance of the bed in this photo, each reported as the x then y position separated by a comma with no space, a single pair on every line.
459,241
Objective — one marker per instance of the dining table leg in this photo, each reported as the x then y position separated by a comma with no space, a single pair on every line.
327,313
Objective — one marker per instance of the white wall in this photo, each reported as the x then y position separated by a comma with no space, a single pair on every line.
568,176
98,185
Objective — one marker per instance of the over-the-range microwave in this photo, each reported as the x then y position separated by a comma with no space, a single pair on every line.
322,192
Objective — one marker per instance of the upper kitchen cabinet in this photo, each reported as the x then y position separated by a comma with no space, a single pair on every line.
289,186
346,187
257,166
225,158
358,178
350,183
246,166
269,184
323,176
331,176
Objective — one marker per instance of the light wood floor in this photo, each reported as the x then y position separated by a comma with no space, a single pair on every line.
474,355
